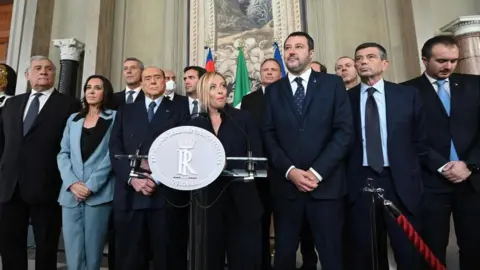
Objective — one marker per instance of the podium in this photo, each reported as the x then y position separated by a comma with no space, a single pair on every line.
189,158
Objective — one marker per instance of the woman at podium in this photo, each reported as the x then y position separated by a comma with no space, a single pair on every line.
233,221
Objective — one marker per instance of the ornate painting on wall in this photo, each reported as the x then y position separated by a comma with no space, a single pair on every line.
224,25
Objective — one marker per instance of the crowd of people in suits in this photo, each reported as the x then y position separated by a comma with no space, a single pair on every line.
418,141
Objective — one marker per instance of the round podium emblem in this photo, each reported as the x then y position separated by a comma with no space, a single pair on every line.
186,158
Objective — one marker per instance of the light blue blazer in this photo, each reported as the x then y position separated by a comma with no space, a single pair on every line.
96,172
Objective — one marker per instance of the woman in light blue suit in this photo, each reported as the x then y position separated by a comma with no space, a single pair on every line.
88,184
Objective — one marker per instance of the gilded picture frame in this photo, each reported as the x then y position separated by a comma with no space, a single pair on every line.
224,25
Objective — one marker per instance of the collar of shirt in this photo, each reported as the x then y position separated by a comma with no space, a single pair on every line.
137,90
263,89
149,100
171,95
379,86
45,93
433,81
305,76
190,101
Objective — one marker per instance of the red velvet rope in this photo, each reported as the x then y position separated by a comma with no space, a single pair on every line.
419,244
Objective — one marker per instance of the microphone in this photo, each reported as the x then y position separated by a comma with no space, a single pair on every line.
135,170
250,164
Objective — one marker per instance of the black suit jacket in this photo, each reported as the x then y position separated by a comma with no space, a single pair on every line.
462,127
255,104
319,140
120,98
406,143
130,130
245,197
181,101
30,161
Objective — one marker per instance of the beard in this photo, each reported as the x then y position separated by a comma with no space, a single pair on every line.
298,68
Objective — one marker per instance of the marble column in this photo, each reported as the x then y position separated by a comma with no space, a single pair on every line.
466,30
70,52
30,34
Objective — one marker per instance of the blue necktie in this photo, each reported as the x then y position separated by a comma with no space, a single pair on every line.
299,96
151,111
31,113
445,98
130,96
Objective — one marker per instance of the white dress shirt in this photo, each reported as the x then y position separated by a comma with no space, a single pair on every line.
149,100
171,95
42,100
190,105
305,77
433,81
135,95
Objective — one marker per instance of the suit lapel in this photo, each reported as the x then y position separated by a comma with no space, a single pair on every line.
21,112
432,94
457,96
258,98
162,113
355,102
76,135
288,95
48,109
311,91
138,118
393,104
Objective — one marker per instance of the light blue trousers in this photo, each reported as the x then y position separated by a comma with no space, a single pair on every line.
85,230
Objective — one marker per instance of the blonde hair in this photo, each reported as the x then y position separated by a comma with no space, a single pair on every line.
203,88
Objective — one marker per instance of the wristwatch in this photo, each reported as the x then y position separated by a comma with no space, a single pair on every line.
473,168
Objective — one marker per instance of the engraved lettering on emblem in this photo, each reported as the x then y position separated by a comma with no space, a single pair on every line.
185,157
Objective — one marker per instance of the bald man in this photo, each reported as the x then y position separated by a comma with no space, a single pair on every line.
140,208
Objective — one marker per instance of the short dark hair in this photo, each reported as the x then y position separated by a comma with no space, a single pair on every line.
200,71
442,39
383,51
270,60
310,42
140,63
107,101
322,67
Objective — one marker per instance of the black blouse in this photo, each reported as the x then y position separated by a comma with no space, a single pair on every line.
92,137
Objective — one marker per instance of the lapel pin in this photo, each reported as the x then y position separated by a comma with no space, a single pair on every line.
167,111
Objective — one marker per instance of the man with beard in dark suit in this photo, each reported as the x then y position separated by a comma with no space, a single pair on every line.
307,132
31,128
450,176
